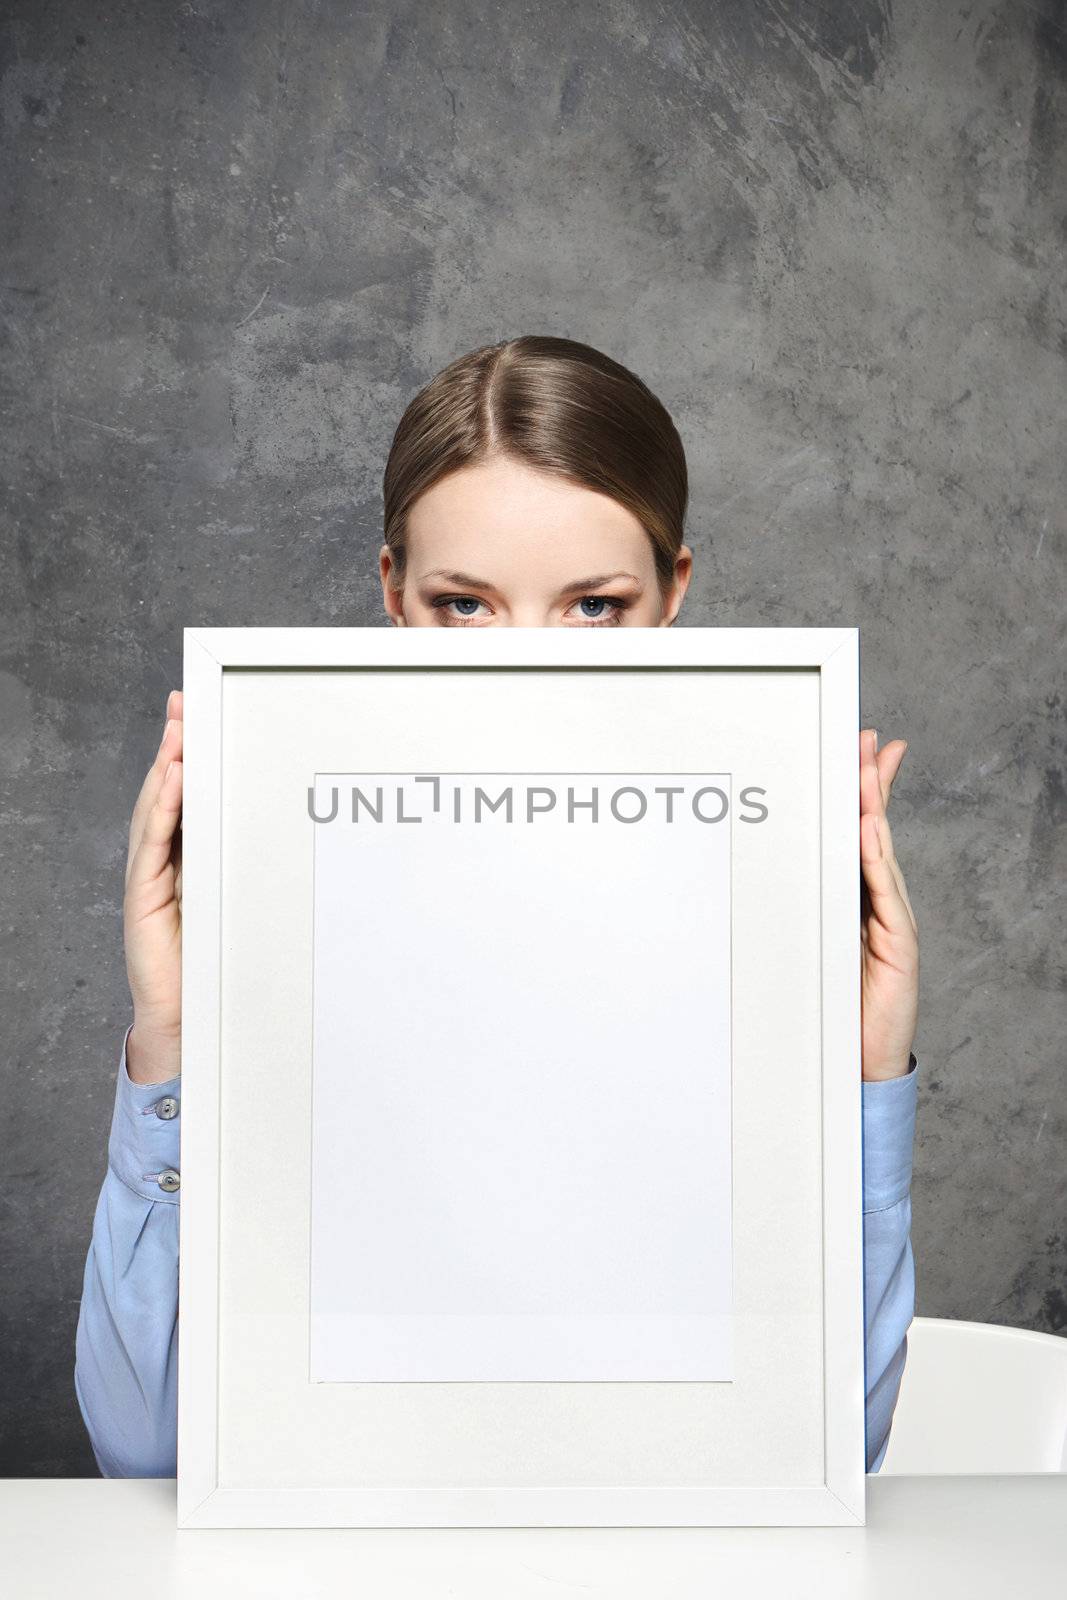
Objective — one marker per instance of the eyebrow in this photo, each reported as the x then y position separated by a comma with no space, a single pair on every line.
468,581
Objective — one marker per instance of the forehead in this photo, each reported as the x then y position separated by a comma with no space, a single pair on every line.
502,518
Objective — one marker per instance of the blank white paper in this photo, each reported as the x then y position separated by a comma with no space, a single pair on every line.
521,1078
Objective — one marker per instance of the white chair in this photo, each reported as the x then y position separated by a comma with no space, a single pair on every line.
979,1398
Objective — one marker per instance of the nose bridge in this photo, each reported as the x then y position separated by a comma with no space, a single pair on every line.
527,614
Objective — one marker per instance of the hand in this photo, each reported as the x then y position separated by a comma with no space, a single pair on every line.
152,912
889,939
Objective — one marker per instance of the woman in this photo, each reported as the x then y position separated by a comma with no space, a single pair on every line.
534,483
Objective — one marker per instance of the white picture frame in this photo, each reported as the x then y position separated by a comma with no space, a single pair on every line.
258,1444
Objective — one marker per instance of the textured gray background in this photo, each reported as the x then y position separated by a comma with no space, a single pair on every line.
237,237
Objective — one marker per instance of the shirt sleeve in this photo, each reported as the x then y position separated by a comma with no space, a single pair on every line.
126,1344
888,1264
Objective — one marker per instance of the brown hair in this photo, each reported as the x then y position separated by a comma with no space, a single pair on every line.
557,405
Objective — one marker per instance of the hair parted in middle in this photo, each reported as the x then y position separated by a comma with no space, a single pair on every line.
558,406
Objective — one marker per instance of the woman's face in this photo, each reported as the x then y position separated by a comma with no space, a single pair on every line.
501,545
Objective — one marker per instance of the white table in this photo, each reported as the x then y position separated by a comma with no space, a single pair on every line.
75,1539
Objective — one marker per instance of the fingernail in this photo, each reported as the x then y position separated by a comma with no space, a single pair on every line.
877,827
875,732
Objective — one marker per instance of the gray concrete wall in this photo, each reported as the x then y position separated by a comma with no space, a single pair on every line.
238,236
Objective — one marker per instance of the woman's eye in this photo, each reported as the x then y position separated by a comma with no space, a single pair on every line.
466,603
599,601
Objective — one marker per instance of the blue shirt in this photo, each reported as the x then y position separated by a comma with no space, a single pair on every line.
126,1360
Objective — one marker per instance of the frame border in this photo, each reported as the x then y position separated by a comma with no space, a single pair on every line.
834,652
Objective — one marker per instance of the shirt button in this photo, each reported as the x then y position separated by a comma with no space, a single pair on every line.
169,1180
167,1107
